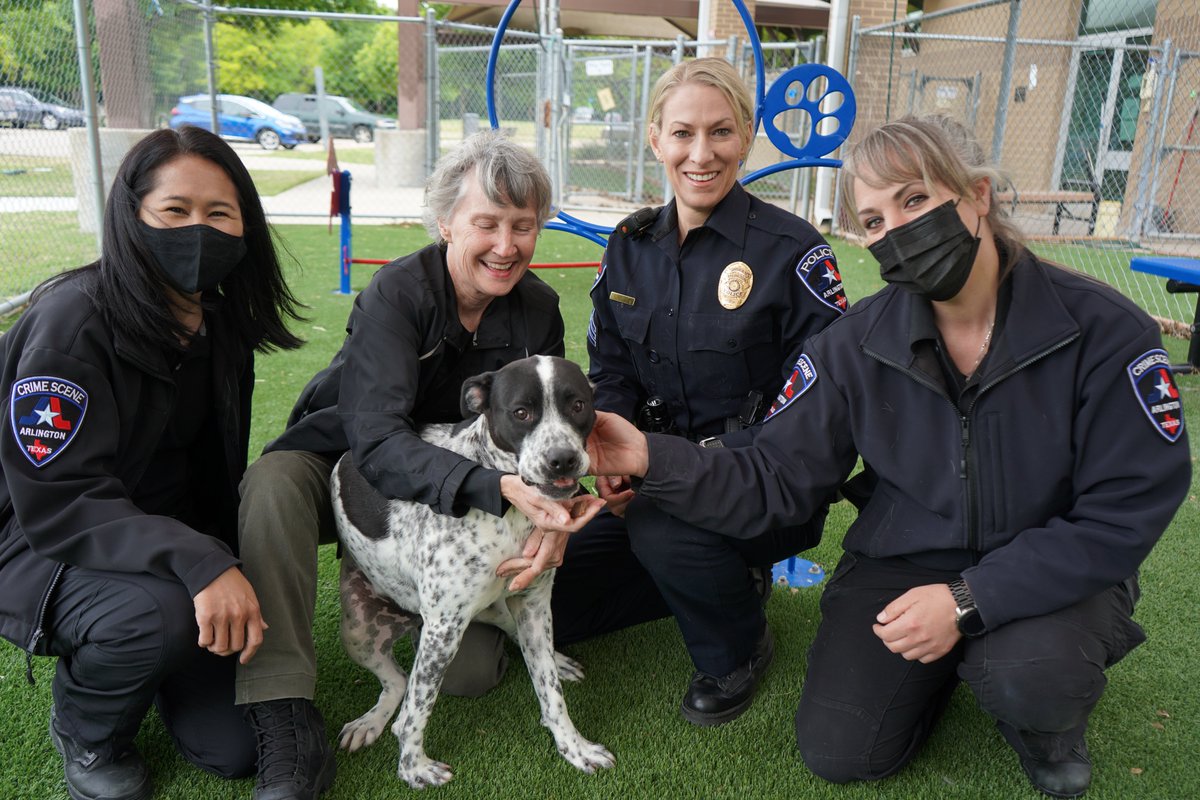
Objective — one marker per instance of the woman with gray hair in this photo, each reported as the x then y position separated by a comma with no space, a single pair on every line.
464,305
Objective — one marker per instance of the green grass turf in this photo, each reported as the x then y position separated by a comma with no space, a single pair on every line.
1144,738
271,182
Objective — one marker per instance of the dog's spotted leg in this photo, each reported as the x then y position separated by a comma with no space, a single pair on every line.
440,638
371,624
498,614
532,613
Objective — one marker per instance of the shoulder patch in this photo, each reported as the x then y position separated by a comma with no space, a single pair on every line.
1155,390
803,376
818,269
600,272
46,414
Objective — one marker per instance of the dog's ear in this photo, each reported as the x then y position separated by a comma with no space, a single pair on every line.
476,392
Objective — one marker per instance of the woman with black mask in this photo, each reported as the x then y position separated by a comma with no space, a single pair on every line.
126,391
1027,440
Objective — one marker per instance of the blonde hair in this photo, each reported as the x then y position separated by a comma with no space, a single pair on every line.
932,149
715,72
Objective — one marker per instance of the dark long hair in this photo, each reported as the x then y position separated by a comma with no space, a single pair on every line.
127,288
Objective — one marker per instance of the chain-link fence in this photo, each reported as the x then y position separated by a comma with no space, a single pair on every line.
393,92
1090,106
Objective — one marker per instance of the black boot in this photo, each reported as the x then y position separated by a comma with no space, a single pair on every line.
1068,777
712,700
295,762
89,777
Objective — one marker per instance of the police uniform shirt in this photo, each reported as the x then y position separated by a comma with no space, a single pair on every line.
704,323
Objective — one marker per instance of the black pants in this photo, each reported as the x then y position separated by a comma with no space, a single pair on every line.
865,711
127,640
618,573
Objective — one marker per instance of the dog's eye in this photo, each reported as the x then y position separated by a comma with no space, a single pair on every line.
577,406
521,414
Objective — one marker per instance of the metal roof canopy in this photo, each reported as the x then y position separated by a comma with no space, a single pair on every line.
664,19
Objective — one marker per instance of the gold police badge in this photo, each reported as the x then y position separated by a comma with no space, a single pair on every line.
734,286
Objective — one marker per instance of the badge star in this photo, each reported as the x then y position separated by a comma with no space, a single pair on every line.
45,415
830,276
1164,388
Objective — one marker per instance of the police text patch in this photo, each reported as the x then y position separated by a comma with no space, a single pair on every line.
818,269
803,376
1155,389
46,413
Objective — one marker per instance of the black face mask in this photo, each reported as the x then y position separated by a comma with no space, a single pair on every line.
931,256
194,258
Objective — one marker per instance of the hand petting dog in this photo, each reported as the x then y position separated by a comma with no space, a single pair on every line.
544,548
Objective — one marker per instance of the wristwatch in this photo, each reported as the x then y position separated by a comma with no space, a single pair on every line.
966,615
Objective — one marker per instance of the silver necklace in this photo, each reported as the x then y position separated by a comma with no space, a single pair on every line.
983,348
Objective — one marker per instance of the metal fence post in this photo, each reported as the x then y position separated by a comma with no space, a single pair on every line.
210,65
836,174
432,106
639,125
84,51
1141,206
1006,73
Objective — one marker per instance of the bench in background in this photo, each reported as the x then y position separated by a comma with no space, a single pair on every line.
1060,200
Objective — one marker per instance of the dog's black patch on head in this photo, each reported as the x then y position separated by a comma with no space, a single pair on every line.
574,396
366,508
510,398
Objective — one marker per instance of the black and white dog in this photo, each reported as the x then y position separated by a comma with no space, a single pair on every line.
405,566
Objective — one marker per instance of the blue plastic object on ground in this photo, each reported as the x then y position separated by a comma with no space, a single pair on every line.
796,572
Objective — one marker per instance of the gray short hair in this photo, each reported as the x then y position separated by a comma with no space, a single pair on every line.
508,175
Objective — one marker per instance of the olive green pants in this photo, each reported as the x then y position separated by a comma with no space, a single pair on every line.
285,514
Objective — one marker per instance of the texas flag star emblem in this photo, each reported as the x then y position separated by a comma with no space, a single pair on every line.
1156,392
45,414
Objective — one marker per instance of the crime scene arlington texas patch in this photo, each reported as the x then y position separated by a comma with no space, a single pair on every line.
803,376
46,414
818,269
1155,390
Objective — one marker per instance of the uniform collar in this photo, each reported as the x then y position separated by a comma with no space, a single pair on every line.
1035,320
728,218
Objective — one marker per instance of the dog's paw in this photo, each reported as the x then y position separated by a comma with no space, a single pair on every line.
568,668
420,771
361,732
587,756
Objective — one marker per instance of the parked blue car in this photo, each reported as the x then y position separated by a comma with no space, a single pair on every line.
241,118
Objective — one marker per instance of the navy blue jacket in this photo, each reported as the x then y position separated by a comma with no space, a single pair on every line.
76,508
1059,478
658,328
402,365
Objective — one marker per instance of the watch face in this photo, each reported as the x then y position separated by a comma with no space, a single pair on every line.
970,624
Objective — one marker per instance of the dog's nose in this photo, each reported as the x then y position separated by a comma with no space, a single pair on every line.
563,462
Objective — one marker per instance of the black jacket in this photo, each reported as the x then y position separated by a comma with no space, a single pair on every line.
402,365
75,509
1057,480
659,328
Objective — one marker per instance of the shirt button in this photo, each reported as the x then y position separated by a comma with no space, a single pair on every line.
731,342
653,357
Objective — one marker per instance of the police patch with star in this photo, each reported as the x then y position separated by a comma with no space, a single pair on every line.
818,269
803,376
46,413
1156,392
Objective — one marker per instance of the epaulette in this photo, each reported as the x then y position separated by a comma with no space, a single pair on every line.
638,222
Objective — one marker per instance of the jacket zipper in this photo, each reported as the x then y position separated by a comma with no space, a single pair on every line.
973,536
39,630
965,472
